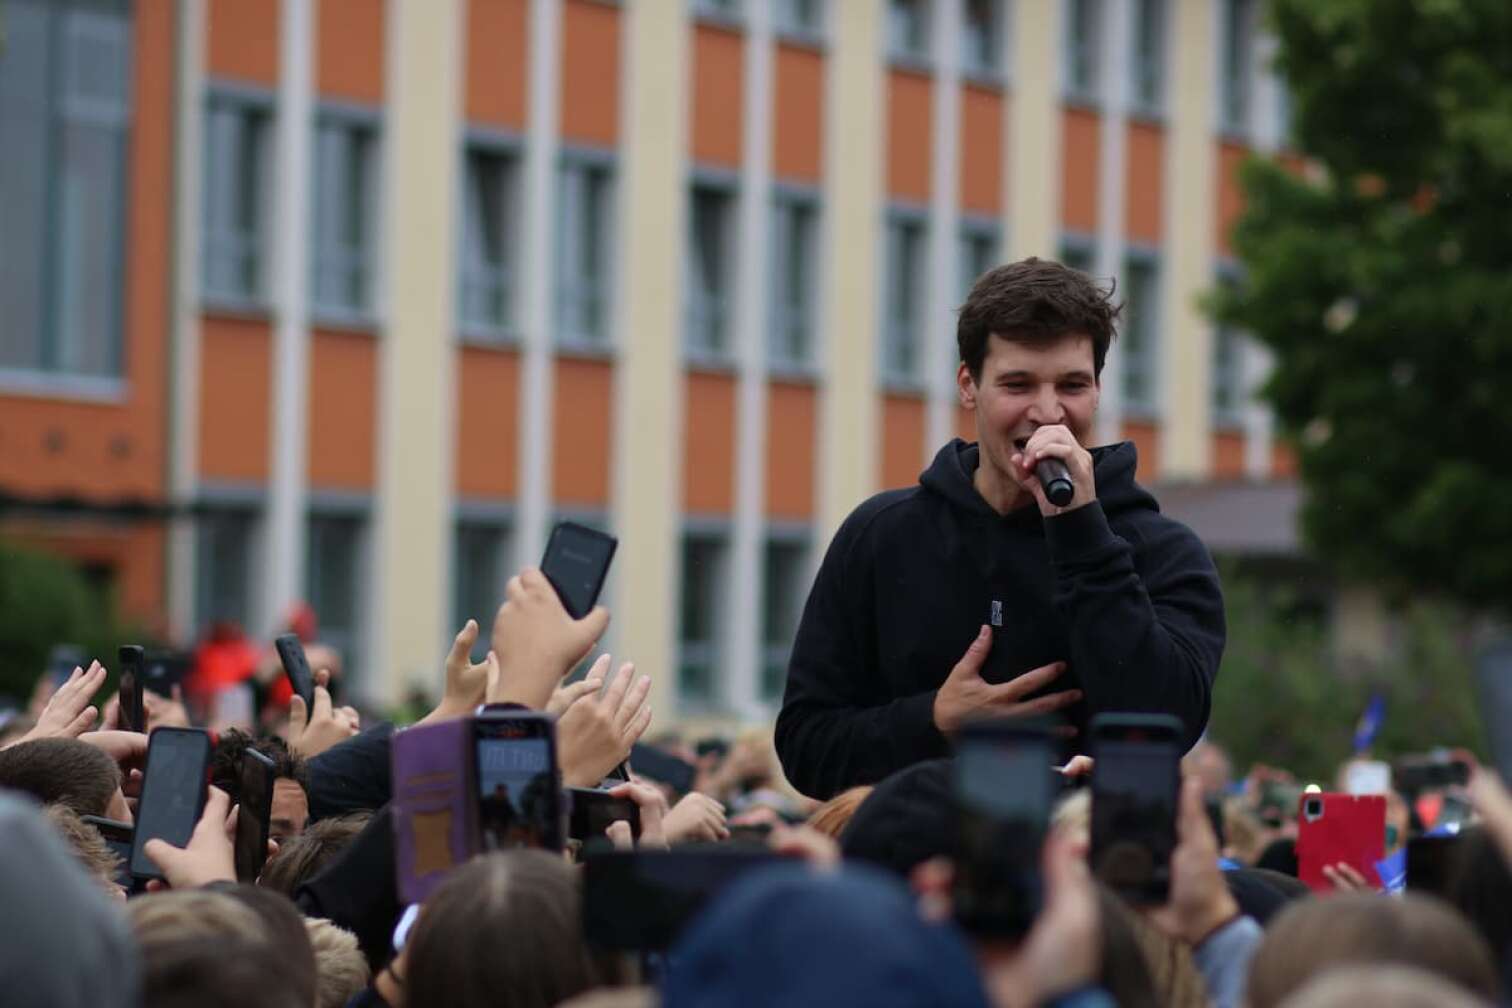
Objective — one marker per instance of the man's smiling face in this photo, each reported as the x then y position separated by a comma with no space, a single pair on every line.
1025,387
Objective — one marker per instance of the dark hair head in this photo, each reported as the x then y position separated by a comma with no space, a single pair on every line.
225,760
63,771
300,857
1037,302
231,972
908,818
1312,936
284,929
455,957
1480,887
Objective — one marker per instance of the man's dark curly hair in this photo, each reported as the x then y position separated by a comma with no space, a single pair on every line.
225,761
1036,302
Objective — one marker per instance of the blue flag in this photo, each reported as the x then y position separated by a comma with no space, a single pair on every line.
1369,725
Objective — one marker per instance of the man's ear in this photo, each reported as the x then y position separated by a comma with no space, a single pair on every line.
966,387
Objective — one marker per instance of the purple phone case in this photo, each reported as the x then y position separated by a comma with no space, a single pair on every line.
435,826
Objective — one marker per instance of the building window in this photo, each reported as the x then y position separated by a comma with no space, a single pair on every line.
584,237
1228,377
721,10
65,87
1148,58
223,569
1083,44
979,253
491,234
1238,62
334,576
784,589
1077,255
711,274
238,145
982,37
908,30
480,568
804,18
794,263
704,559
905,289
1139,344
344,213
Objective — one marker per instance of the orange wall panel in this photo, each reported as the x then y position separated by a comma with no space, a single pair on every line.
1283,460
1230,196
909,135
488,422
709,443
343,409
349,34
134,554
498,32
798,114
235,363
981,149
1081,146
1144,206
902,440
243,40
718,68
590,73
1146,438
581,412
1228,455
792,431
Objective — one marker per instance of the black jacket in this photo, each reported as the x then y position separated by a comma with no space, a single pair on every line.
1128,597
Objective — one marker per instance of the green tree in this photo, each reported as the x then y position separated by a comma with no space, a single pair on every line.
44,601
1381,277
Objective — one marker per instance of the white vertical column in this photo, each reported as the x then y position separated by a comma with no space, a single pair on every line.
944,228
283,579
537,382
183,427
1112,183
1255,360
743,603
1034,129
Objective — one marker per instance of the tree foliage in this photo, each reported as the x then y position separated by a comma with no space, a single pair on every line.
1381,277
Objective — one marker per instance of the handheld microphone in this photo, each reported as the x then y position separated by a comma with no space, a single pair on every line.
1056,479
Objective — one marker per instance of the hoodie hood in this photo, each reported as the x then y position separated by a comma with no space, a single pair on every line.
950,475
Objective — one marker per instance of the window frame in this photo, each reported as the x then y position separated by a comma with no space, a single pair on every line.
785,200
1236,85
1072,91
996,74
351,118
1139,256
786,29
698,306
705,12
246,98
922,58
1230,418
483,518
717,530
1141,106
894,380
355,508
244,505
564,286
508,147
799,535
50,372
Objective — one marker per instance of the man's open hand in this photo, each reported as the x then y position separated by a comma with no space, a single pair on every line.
466,680
595,733
966,695
70,712
537,642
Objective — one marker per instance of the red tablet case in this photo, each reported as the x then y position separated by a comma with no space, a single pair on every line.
1352,829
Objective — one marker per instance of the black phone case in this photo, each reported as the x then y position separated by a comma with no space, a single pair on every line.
139,865
252,823
603,573
292,657
133,705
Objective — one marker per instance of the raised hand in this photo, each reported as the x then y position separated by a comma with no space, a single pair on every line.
313,732
70,712
595,734
696,818
537,642
466,681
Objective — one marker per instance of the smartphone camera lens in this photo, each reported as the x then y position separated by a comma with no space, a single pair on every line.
1313,809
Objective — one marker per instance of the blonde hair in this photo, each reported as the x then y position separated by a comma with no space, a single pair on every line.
192,915
88,846
341,971
831,817
1384,987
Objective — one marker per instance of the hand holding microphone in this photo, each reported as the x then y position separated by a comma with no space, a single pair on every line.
1054,457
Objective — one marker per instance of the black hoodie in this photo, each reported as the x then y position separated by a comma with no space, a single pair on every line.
1127,597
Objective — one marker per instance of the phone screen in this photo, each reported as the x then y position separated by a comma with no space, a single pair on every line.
133,708
1134,796
593,811
1004,789
173,792
255,805
518,800
576,562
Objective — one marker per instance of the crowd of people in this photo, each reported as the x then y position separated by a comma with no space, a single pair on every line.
863,913
1025,592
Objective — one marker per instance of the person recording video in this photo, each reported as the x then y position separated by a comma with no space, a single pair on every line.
1025,574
